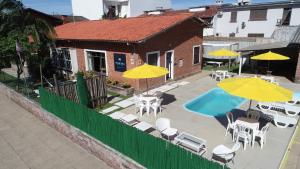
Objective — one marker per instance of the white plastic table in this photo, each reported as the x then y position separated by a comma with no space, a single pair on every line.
250,123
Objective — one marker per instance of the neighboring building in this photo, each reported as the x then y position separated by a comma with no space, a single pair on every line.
255,20
70,18
114,46
96,9
206,13
52,20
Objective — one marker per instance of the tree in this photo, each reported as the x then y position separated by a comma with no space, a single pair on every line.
16,27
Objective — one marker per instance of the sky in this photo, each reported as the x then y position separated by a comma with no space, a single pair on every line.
64,6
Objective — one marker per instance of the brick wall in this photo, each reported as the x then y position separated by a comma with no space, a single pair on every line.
180,38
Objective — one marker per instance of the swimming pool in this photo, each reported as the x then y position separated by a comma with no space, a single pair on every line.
215,102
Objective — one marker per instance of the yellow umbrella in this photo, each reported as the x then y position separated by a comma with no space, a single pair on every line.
224,52
255,88
145,71
269,56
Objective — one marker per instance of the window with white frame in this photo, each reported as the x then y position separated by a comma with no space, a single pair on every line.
153,58
196,54
96,61
62,59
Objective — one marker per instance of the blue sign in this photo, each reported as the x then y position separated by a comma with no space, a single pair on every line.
120,62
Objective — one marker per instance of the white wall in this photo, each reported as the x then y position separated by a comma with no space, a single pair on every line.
224,27
91,9
137,7
295,18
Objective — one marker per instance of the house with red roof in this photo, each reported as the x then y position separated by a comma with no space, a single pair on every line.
173,41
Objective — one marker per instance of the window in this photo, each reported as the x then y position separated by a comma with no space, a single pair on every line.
256,35
153,58
286,16
233,16
96,61
62,59
258,15
196,54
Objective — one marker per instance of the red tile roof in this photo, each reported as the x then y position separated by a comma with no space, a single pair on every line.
124,30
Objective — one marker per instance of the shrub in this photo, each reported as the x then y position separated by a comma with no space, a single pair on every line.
126,85
114,82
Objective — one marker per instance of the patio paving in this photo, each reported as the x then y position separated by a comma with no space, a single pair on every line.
213,130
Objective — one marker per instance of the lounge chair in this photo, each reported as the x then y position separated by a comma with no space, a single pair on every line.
117,115
290,110
129,119
295,100
262,135
163,126
281,121
224,153
143,126
191,142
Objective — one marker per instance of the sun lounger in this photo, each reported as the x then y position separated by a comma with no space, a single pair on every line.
129,119
295,100
281,121
117,115
143,126
191,142
290,110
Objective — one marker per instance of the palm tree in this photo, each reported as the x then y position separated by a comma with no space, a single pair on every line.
14,18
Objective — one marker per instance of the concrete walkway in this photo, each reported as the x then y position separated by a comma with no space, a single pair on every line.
293,156
28,143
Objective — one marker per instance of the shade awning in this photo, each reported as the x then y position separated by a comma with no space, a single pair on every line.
265,46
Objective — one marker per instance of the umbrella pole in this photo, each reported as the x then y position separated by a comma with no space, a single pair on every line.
147,85
250,104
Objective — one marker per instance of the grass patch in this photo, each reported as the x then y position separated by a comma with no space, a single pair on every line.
233,68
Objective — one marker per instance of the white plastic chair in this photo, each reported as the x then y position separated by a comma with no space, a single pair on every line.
243,134
225,153
262,135
139,104
156,106
230,125
164,127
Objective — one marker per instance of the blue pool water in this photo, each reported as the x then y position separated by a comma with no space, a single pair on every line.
215,102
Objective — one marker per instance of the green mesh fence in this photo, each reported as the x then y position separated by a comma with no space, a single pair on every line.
82,90
149,151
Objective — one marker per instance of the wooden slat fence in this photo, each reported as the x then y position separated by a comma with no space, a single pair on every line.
96,87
